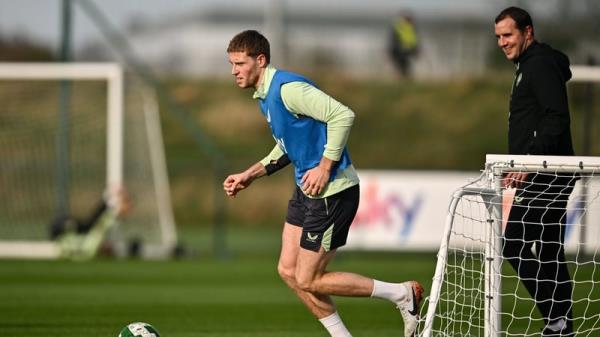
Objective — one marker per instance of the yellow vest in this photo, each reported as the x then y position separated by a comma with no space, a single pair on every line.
405,32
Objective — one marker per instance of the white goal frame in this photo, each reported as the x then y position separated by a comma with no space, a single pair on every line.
495,167
585,73
112,74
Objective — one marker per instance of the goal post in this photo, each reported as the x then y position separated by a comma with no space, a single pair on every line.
475,292
113,141
109,72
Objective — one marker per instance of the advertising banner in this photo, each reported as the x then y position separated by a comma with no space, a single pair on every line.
407,210
403,210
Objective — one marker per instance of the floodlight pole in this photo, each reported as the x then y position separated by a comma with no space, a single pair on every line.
65,48
588,114
275,26
62,136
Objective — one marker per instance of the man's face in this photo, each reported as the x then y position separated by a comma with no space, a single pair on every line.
511,40
246,69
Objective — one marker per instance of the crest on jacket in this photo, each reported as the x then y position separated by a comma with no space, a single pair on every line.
518,80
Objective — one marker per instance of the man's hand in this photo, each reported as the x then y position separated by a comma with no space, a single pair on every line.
236,182
315,179
239,181
514,179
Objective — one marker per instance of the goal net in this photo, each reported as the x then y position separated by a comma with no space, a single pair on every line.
548,229
71,136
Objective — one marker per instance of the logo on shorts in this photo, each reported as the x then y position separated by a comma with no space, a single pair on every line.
312,237
518,200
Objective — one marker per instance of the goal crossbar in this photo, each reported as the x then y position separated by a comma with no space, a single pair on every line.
585,73
544,163
53,71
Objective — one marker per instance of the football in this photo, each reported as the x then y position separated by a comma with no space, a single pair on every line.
139,329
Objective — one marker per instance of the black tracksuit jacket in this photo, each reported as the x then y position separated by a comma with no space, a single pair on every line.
539,121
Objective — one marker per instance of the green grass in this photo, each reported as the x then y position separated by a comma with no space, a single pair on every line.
241,296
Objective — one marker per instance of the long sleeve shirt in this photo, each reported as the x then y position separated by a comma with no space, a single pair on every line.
301,98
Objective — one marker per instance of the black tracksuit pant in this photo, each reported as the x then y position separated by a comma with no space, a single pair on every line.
538,219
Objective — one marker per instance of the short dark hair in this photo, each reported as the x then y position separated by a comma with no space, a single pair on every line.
521,17
252,43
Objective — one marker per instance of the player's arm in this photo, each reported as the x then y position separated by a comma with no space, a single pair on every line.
550,92
239,181
275,161
304,99
272,163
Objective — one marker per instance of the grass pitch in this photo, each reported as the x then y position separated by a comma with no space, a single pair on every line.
240,296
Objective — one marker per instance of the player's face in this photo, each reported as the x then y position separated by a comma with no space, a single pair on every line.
246,69
511,40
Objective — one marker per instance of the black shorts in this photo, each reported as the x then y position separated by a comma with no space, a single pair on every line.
325,222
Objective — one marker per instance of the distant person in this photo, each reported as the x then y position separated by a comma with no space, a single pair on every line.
311,130
403,44
81,238
538,124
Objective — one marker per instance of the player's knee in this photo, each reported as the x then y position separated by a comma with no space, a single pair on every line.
287,274
304,283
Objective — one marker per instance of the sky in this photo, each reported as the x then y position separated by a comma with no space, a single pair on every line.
40,19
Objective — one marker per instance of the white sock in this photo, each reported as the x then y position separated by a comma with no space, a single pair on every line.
558,325
393,292
334,325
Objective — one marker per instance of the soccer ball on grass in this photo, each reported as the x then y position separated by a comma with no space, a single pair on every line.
139,329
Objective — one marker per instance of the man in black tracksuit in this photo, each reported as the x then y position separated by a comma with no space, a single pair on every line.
539,124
